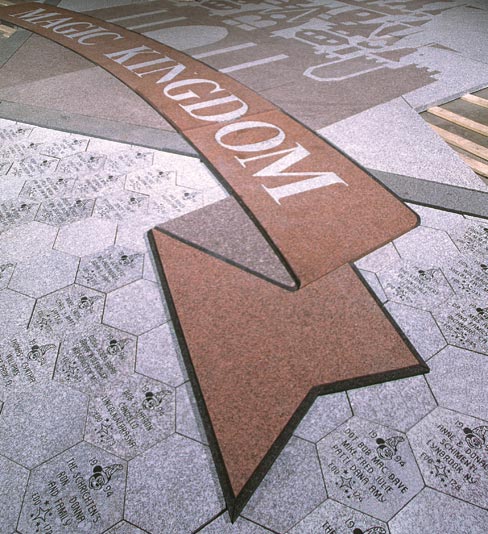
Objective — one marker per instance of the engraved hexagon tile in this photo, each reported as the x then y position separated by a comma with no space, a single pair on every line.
173,487
13,133
110,269
103,182
136,308
6,271
66,310
131,416
44,274
34,166
173,202
150,181
81,490
292,488
472,238
13,480
334,518
47,187
458,381
16,212
82,163
125,528
222,525
120,205
65,210
427,513
41,422
128,160
452,453
370,468
93,357
15,311
399,404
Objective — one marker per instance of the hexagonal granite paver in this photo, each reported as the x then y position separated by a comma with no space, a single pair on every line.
136,308
370,468
26,360
159,357
458,380
125,528
92,358
103,182
334,518
66,310
65,210
399,404
78,492
47,187
13,480
27,241
41,422
472,238
173,487
16,212
111,268
222,525
131,416
82,163
150,181
15,311
468,276
435,513
326,414
175,201
6,271
452,453
292,488
44,274
34,165
188,420
85,237
124,161
121,205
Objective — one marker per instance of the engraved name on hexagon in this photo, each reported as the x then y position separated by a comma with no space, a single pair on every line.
128,160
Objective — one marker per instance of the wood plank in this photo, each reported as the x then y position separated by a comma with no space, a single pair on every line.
473,99
6,31
461,142
477,166
455,118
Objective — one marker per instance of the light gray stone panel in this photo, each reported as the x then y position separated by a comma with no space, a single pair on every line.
6,271
125,161
11,186
66,310
451,451
93,358
436,513
173,487
15,311
175,201
188,420
292,488
11,132
468,276
26,241
458,380
44,274
65,210
60,147
132,232
131,416
78,492
149,272
370,468
110,269
419,327
325,415
82,163
159,357
41,422
47,187
34,166
13,213
334,518
471,236
151,181
125,528
373,282
26,360
92,185
222,525
86,237
399,404
13,480
136,308
122,205
379,259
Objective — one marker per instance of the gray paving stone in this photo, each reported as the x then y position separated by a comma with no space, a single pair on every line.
464,323
86,237
334,518
150,181
16,212
110,269
159,357
66,310
26,241
11,187
369,467
125,528
399,404
93,358
131,415
15,311
468,276
373,282
13,480
436,513
119,206
125,161
65,210
326,414
173,487
6,271
292,488
222,525
451,452
438,219
47,187
82,163
34,166
458,380
188,420
471,237
79,491
175,201
42,422
379,259
149,272
44,274
136,308
26,360
132,232
91,185
419,327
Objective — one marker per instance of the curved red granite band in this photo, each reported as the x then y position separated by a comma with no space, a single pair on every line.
257,354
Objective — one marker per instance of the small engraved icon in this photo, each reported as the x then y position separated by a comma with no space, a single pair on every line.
86,303
127,259
153,400
372,530
428,274
41,516
387,448
477,438
102,475
37,353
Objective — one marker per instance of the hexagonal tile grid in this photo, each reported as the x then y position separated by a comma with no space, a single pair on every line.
13,480
15,311
81,490
85,237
